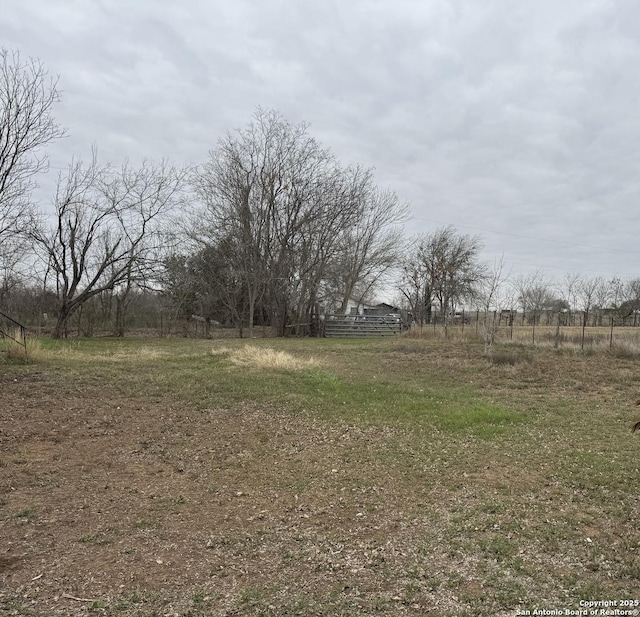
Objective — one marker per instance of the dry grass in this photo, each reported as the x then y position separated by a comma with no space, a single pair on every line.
121,354
19,349
453,333
251,356
626,349
597,340
511,358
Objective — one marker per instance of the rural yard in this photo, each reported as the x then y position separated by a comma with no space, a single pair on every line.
319,309
316,477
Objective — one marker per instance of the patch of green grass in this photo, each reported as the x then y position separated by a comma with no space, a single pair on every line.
96,539
145,524
498,547
16,607
250,598
199,599
381,395
27,514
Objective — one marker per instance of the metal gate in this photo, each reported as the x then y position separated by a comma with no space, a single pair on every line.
360,326
12,329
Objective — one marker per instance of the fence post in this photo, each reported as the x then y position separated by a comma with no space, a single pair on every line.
611,332
533,330
557,341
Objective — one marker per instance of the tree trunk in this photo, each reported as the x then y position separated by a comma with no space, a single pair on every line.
60,330
120,316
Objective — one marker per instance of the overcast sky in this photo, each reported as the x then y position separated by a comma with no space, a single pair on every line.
518,121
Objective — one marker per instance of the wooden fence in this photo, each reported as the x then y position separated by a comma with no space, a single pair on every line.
360,326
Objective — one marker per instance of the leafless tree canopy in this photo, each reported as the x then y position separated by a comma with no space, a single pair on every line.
105,234
295,222
27,97
443,272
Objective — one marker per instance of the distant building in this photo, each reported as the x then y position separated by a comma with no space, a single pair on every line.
357,307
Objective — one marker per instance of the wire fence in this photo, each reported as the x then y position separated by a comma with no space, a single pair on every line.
561,329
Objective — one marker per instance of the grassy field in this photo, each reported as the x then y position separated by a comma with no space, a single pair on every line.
316,477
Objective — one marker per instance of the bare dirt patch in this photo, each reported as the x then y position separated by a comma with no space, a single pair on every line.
119,505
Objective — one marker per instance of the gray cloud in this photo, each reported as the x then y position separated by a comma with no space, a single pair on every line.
516,121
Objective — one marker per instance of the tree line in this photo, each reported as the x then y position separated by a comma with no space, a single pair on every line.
271,230
276,225
444,273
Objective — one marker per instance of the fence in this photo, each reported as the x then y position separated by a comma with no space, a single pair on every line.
12,329
360,326
618,334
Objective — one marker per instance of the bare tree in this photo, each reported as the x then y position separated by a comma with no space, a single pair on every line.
488,295
240,185
569,291
27,97
370,248
449,262
534,294
588,291
416,291
299,221
13,249
104,231
630,304
602,300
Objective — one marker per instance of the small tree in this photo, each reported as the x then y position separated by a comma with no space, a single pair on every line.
445,270
588,292
569,291
630,305
534,295
489,296
416,292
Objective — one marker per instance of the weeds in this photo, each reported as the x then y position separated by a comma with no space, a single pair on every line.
21,348
629,349
27,514
624,342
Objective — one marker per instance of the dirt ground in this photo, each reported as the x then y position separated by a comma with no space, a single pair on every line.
115,504
123,506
